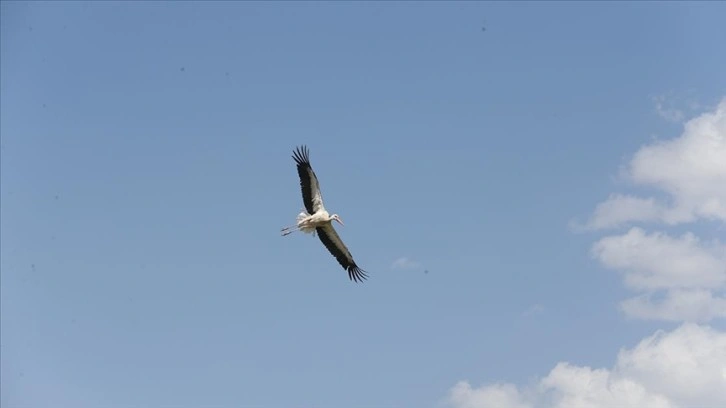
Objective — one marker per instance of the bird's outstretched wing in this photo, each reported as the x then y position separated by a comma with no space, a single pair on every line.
312,198
335,245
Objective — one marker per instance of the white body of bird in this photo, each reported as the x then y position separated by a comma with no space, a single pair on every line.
308,223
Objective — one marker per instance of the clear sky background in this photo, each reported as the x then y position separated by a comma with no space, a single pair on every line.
475,151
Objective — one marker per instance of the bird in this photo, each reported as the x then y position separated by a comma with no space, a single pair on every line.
315,219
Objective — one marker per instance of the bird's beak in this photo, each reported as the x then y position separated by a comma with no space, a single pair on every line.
340,221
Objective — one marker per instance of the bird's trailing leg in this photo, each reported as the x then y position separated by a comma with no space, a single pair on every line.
289,230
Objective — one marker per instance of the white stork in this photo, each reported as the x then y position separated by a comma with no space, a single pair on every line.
314,218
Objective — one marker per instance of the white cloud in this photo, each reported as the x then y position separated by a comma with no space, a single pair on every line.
657,261
685,268
682,368
687,365
583,387
691,169
620,209
696,305
490,396
680,278
404,263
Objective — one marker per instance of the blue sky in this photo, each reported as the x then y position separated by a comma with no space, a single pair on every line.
146,171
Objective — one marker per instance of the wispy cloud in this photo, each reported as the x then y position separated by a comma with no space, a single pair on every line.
404,263
533,310
677,305
665,108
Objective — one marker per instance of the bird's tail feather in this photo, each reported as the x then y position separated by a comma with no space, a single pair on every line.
302,216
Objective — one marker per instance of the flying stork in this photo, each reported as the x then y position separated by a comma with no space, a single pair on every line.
314,218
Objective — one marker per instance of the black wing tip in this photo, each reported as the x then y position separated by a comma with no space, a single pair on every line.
357,274
301,154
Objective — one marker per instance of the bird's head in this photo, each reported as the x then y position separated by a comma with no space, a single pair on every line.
336,217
